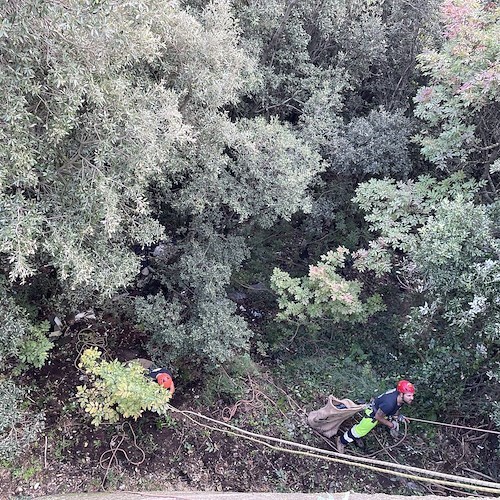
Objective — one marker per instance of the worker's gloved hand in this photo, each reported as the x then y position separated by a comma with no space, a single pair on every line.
394,432
402,418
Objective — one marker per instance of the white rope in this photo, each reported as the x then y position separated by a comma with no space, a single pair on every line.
454,425
450,480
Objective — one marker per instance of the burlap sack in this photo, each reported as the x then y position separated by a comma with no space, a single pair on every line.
328,419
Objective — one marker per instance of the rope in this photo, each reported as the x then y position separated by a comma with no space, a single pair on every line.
454,425
116,447
390,447
85,339
292,402
254,402
229,411
360,459
311,452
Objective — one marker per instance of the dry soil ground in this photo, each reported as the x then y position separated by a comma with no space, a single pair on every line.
205,495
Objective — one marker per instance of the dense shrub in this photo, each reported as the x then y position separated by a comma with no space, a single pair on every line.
116,390
19,427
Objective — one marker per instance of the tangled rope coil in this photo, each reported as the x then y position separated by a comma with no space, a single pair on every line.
87,338
115,447
255,402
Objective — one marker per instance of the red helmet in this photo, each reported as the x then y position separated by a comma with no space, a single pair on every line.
405,387
165,380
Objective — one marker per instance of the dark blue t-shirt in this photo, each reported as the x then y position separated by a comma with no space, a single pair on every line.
153,372
387,402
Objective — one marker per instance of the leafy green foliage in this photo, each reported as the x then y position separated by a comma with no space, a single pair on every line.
311,376
276,167
323,294
251,170
34,350
18,426
209,126
365,48
89,128
117,390
376,258
377,144
192,314
398,210
15,326
230,382
495,375
459,105
446,253
124,125
213,332
456,238
458,328
21,339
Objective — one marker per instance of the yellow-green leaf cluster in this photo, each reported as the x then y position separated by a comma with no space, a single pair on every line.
116,389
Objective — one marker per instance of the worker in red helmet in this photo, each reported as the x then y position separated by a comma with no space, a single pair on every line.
385,410
163,377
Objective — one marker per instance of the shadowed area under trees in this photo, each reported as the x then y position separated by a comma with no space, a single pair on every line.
276,200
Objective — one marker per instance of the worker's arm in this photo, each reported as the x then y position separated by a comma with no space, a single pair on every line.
380,416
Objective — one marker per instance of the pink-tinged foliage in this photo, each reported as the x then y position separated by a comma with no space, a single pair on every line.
457,15
424,94
464,74
361,253
489,76
317,272
342,250
482,80
465,86
347,298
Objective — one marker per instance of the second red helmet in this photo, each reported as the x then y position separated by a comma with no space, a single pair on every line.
165,380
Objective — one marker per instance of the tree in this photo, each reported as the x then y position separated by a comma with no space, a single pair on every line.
445,254
81,140
19,427
367,48
116,390
459,105
343,73
324,295
377,144
117,136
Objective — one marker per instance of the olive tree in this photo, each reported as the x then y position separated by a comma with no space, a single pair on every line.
116,135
